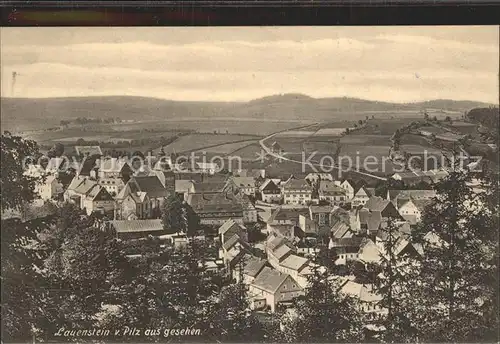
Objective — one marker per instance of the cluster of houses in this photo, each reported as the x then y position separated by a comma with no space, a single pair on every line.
298,218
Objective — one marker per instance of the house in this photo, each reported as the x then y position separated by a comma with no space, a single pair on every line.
341,230
207,167
98,200
281,255
369,252
270,191
276,148
285,230
274,287
411,210
361,196
182,187
368,300
314,178
50,188
349,186
393,195
286,216
322,215
248,268
250,214
214,185
277,249
216,208
370,221
88,150
232,251
114,168
230,228
132,204
167,179
415,177
346,249
245,184
307,247
112,185
297,191
256,173
156,192
136,229
386,208
297,267
88,194
330,192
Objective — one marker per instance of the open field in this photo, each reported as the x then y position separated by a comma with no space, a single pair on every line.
228,148
249,152
299,134
413,139
386,126
339,124
330,132
417,149
194,142
365,140
432,129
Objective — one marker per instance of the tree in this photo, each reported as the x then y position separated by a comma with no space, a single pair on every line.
178,216
16,188
230,318
450,289
56,151
390,284
323,314
65,177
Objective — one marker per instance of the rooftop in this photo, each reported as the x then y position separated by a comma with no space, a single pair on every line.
133,226
230,224
90,150
244,181
376,203
151,185
211,203
294,262
297,184
253,265
269,280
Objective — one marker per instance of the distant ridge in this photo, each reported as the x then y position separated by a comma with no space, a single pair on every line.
37,113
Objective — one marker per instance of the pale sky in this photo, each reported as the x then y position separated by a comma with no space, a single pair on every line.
399,64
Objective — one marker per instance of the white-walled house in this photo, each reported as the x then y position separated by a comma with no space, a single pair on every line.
331,192
411,210
297,191
348,186
245,185
274,287
362,196
270,191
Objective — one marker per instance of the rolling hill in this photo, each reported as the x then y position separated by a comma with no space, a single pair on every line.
37,113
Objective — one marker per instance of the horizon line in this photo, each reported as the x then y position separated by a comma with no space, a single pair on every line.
253,99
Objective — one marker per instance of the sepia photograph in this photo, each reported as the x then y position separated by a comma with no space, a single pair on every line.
262,184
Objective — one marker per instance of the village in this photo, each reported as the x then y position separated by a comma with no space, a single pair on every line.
267,231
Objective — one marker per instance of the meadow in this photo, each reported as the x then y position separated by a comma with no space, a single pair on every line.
195,142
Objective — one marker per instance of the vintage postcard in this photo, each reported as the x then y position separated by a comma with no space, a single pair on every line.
250,184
